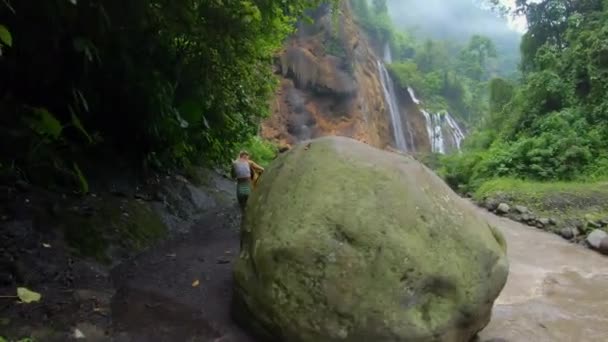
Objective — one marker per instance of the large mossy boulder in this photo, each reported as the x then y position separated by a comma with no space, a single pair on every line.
345,242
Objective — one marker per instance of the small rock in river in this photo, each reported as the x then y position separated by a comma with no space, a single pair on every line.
521,209
567,233
503,208
596,238
491,204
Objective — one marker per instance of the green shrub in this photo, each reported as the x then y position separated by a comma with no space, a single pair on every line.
261,151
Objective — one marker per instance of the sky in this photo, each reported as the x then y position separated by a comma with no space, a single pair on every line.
454,19
457,21
518,23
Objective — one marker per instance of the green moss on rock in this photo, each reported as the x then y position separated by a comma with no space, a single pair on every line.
127,223
344,242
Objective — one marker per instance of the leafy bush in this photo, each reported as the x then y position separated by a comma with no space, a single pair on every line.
260,150
6,39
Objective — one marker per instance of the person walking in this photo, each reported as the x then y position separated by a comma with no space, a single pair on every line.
244,171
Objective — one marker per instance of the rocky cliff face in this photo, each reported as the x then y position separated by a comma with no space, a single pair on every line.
329,85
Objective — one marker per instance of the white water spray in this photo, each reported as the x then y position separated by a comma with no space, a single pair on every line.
438,126
393,108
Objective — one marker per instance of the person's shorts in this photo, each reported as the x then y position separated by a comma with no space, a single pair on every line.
243,190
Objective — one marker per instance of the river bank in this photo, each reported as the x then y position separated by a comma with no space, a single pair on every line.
578,212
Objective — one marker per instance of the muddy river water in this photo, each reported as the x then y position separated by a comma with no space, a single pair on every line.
556,291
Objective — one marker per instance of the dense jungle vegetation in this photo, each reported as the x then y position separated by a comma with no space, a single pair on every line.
553,124
545,121
159,83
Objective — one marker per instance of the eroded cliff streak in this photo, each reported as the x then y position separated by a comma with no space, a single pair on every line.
329,85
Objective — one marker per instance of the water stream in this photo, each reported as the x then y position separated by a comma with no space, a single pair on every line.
556,292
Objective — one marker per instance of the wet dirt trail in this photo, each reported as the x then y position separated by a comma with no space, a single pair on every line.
181,290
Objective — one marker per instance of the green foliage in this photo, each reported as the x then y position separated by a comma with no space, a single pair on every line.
431,160
379,6
260,150
333,46
82,181
501,93
44,123
407,74
168,82
5,36
25,339
553,126
473,60
402,45
459,172
28,296
532,189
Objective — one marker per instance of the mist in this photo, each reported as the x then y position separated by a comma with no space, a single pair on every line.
451,20
457,21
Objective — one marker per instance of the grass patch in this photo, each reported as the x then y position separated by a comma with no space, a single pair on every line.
563,200
539,190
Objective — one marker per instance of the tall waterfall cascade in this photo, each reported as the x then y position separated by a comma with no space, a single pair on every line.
441,127
401,130
393,108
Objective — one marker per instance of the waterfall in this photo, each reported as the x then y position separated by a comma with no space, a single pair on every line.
393,108
456,131
404,138
413,95
438,125
433,128
388,56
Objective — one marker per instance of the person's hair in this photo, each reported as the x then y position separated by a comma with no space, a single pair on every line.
243,153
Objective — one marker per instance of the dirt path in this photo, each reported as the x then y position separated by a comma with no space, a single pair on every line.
156,299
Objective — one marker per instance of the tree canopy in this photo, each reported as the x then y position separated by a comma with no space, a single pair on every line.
553,125
167,82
